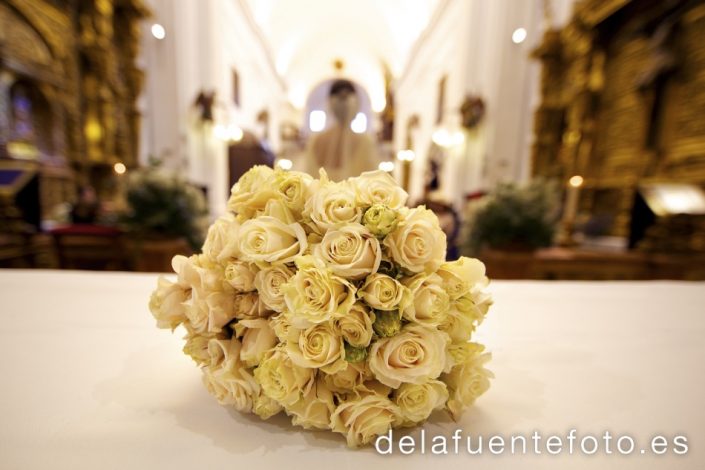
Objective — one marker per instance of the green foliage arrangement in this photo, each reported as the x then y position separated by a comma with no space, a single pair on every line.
512,217
160,204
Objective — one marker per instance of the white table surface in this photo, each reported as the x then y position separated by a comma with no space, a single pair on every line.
88,381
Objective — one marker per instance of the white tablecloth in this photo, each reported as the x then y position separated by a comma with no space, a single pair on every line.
88,382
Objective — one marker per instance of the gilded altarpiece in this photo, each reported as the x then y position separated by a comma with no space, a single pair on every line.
68,90
623,94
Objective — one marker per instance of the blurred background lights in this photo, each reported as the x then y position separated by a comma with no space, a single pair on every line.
317,120
576,181
359,124
120,168
285,164
445,138
519,35
230,133
158,31
387,166
406,155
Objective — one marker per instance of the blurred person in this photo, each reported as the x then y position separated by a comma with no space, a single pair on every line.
342,152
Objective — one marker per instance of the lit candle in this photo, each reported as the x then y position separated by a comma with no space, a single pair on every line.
571,203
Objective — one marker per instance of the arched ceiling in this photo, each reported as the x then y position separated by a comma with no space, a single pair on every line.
307,36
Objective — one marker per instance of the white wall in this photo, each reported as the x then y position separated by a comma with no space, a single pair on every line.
470,42
205,40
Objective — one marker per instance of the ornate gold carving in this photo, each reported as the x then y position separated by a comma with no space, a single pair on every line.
623,89
80,57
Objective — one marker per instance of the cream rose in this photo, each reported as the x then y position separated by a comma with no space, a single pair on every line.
314,294
269,283
258,337
332,205
281,379
277,208
417,244
417,401
265,407
280,325
226,379
241,275
231,386
355,326
351,251
317,347
348,379
209,310
246,306
415,355
313,410
252,191
467,381
460,276
267,239
362,419
167,303
197,348
293,187
471,308
383,292
458,325
219,245
378,187
430,301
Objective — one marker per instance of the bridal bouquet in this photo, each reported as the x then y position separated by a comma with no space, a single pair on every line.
331,302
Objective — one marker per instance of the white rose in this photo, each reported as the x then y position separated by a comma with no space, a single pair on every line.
247,306
384,293
224,377
430,301
348,379
467,380
351,251
314,294
265,407
415,355
219,245
362,419
293,188
460,276
332,205
317,347
252,191
197,348
267,239
458,325
221,350
281,325
281,379
269,283
467,306
241,275
277,208
378,187
209,311
417,244
167,303
257,338
417,401
314,409
355,326
230,386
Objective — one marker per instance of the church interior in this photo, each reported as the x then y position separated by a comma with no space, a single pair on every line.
554,139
